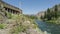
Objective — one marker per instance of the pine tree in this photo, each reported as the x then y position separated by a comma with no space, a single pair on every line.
45,15
48,14
56,11
42,17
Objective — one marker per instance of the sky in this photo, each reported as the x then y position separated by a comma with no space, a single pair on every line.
33,6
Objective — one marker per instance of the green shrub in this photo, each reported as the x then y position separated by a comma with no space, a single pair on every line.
2,26
18,29
9,15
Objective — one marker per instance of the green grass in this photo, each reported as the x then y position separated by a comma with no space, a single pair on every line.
18,29
54,21
2,26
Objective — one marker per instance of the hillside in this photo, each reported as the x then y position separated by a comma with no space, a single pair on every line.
41,13
17,24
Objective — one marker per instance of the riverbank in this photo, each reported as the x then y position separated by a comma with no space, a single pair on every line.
54,21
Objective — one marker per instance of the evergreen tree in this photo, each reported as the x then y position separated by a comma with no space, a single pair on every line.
48,14
42,17
45,15
56,11
52,14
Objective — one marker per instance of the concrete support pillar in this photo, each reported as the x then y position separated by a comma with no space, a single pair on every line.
7,9
12,11
15,12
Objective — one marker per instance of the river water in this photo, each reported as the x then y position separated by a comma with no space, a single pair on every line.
48,27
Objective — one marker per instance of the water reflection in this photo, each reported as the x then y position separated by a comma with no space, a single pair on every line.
49,28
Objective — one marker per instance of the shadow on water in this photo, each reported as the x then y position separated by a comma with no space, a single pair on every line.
49,27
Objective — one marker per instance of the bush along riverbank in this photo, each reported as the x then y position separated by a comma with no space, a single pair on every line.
55,21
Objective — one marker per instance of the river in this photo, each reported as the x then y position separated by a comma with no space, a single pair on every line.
48,27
